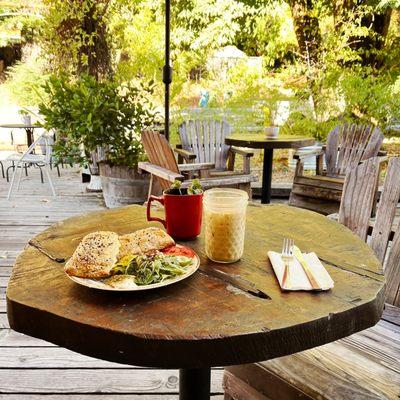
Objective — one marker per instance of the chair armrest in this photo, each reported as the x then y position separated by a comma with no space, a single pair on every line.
241,151
160,172
195,167
383,158
312,153
186,155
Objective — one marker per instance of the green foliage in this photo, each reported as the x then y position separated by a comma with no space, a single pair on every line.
370,98
304,123
19,23
200,25
195,187
25,82
352,80
138,38
176,184
345,95
75,36
18,29
355,75
267,31
88,114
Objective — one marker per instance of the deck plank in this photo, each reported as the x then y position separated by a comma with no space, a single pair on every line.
32,369
95,381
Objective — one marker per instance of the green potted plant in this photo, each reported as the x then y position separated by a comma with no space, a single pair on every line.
100,122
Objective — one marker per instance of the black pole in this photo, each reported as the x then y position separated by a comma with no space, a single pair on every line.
267,176
194,384
167,70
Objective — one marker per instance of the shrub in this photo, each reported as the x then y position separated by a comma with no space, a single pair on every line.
89,114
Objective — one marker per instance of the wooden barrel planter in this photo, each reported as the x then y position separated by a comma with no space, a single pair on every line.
123,185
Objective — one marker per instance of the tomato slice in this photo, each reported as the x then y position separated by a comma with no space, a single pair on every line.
179,251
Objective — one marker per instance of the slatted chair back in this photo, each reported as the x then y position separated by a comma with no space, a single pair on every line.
348,145
355,212
359,196
206,139
384,226
160,153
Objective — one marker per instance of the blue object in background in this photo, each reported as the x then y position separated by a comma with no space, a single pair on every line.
204,97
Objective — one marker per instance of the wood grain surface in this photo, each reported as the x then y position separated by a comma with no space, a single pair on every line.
29,212
223,315
362,366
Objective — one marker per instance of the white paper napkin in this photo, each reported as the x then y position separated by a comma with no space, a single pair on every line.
298,278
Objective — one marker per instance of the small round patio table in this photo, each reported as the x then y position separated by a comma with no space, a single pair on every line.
222,315
28,129
260,141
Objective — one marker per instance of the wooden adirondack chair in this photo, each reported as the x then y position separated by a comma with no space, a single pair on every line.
365,365
205,141
346,147
164,168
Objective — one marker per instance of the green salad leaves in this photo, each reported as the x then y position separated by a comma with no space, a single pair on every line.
150,269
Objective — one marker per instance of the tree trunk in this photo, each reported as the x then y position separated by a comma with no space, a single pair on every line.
97,51
307,29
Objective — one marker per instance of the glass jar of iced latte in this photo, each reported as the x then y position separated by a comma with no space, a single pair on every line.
225,222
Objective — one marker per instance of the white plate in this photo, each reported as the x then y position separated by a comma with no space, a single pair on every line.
97,284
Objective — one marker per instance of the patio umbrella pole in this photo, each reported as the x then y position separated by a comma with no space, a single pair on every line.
167,69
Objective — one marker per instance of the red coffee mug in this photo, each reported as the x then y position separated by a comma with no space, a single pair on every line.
183,214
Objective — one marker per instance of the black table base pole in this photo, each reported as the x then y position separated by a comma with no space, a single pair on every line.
194,384
267,176
29,135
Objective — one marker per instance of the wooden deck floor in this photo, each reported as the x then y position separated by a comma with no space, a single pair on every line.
31,369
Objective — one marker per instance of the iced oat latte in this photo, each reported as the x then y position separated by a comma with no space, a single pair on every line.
225,222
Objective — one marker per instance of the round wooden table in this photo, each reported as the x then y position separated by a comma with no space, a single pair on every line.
260,141
222,315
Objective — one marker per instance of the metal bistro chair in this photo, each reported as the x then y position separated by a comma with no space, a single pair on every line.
42,161
5,156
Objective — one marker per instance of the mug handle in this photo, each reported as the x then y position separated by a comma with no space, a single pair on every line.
149,217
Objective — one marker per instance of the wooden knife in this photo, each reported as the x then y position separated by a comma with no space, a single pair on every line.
299,255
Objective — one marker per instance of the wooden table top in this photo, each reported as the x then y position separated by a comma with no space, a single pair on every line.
20,126
222,315
260,141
